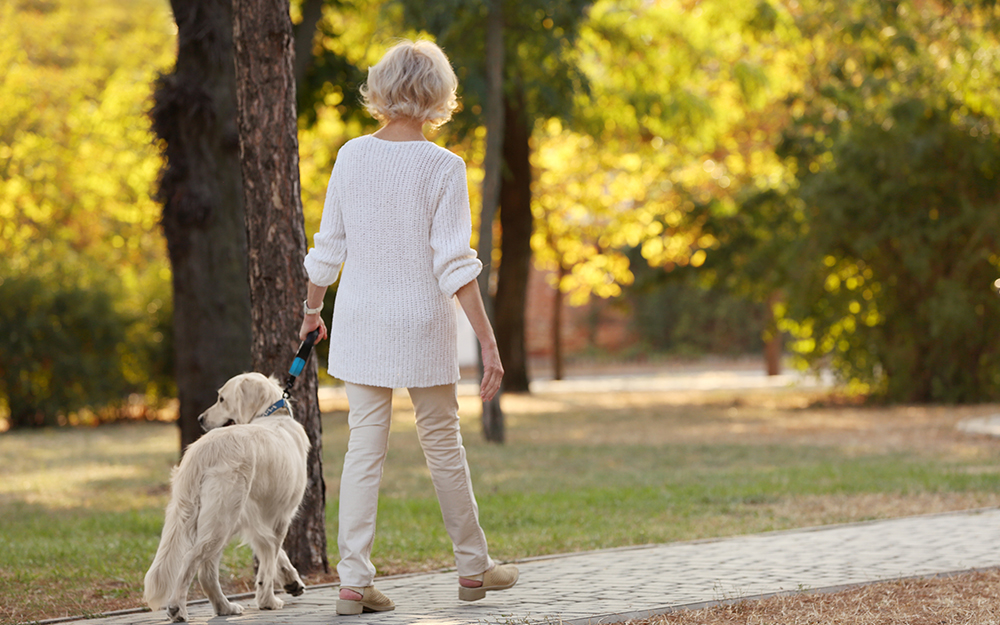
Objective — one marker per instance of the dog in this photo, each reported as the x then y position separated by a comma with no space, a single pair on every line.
247,479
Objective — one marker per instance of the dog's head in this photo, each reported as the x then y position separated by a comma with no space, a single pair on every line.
241,399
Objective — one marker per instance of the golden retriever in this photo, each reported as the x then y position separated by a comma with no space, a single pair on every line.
248,480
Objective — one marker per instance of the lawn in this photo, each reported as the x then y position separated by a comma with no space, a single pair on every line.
81,509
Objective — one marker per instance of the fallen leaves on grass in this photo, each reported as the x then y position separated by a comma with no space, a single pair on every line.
962,599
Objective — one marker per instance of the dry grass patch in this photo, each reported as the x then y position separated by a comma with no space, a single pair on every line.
962,599
756,417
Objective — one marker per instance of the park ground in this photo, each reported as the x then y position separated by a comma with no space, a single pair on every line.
82,508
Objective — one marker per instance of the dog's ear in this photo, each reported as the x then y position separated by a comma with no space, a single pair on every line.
255,395
249,394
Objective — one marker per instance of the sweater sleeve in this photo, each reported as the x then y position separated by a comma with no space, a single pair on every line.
323,261
455,263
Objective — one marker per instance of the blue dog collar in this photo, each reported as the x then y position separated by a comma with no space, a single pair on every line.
273,408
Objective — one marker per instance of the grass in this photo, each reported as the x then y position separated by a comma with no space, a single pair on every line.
81,510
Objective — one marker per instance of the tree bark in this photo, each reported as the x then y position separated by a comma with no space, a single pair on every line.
516,224
194,114
492,416
265,88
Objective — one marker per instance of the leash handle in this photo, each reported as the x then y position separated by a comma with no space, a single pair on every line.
301,357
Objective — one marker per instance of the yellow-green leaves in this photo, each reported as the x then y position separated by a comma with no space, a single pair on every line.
77,158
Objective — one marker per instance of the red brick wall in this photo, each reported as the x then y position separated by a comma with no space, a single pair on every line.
598,322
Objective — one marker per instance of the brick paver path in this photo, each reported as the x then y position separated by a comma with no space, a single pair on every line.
611,585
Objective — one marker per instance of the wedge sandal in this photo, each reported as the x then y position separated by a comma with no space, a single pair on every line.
500,577
372,600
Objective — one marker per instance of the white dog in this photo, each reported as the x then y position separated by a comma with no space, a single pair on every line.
247,479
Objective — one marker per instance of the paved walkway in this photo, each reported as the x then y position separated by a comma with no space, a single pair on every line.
613,585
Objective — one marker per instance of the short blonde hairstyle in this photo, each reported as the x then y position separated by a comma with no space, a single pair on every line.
413,80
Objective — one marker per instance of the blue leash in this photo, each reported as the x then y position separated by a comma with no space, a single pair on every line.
300,361
293,372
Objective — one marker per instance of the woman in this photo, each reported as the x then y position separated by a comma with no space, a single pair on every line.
397,219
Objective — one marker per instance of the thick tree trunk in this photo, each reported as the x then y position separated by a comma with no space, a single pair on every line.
194,113
265,88
516,224
492,416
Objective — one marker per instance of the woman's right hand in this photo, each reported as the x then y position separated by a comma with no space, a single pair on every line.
310,323
472,304
492,372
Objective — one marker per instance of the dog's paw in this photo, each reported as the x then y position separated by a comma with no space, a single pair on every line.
270,603
231,609
177,613
295,588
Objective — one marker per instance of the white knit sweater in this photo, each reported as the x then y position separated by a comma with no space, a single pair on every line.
397,217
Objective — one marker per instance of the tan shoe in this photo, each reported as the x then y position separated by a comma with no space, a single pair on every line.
372,600
500,577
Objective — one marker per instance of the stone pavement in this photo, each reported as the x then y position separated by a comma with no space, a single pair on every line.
613,585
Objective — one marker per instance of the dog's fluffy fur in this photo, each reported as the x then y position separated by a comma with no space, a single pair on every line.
247,479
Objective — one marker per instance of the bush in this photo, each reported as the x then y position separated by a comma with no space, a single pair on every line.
903,228
65,348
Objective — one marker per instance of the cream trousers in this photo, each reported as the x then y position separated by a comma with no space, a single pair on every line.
437,428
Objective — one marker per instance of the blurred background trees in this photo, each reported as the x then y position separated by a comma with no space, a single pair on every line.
892,142
84,286
824,171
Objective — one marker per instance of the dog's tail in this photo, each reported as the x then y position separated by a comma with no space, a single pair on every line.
180,529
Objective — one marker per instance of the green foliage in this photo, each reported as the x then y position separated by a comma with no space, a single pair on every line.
539,40
76,156
903,229
818,149
350,36
879,239
59,350
77,166
679,115
896,152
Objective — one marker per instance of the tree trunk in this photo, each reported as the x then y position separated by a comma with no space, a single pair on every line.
773,343
557,309
305,35
265,88
492,416
194,113
516,225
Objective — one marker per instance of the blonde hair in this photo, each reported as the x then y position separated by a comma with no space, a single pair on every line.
413,80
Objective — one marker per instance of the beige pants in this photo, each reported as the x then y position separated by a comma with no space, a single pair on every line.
437,428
